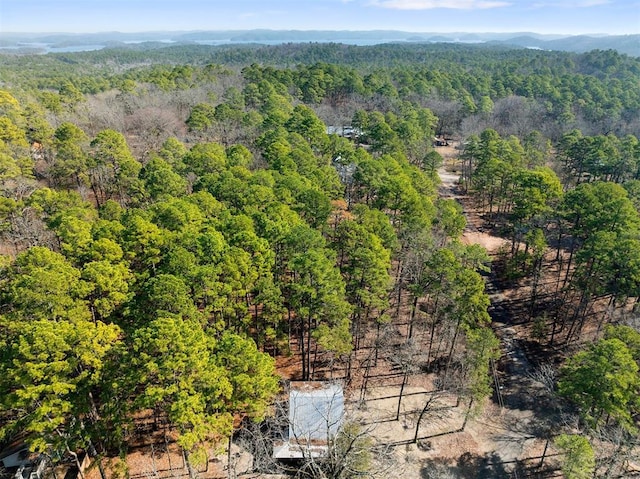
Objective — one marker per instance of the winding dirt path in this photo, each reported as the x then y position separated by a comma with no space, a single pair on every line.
473,234
515,430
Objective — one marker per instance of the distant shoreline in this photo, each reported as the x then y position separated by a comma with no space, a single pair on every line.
42,43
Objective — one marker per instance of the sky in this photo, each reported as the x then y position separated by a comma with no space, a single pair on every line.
539,16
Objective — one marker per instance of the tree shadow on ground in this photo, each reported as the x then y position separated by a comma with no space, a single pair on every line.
488,466
468,466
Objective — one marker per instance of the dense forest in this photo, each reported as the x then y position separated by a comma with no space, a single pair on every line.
176,223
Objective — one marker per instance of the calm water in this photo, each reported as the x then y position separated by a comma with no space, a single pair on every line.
50,48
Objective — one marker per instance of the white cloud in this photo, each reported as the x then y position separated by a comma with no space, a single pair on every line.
431,4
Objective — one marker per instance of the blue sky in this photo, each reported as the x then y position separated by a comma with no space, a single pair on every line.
540,16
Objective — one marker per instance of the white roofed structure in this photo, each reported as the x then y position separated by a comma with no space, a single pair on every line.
316,410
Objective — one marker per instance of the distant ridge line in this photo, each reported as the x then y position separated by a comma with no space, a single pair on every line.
627,44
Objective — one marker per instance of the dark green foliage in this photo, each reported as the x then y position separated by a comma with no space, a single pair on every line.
579,458
604,382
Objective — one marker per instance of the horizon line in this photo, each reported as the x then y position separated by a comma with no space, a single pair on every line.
3,33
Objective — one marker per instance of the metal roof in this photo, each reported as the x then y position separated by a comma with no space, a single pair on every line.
316,410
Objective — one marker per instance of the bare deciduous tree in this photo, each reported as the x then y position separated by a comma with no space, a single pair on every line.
152,125
516,115
546,375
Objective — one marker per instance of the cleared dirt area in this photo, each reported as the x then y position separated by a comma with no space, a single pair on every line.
490,445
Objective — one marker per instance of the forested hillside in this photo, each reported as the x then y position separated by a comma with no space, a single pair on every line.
178,224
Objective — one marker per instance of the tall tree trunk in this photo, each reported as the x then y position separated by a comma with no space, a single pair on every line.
230,469
166,446
308,347
422,413
466,415
377,343
453,345
303,350
93,453
414,306
534,288
432,332
193,474
365,381
404,382
315,361
399,286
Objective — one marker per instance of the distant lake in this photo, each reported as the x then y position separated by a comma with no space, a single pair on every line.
48,48
43,48
75,48
346,41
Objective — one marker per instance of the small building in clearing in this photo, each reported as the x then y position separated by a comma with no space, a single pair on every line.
316,410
